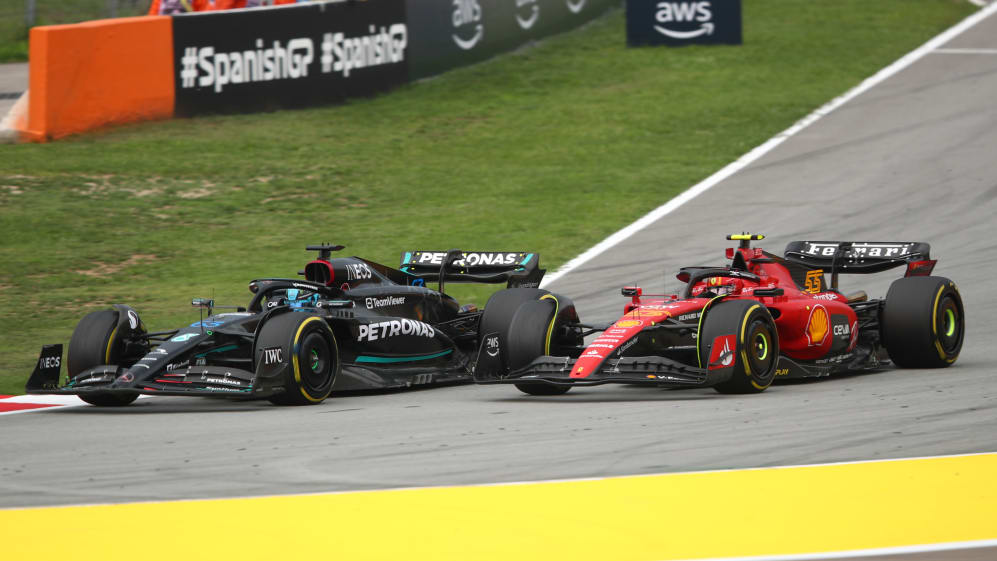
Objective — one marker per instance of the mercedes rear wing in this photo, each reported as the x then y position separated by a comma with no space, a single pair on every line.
861,257
517,268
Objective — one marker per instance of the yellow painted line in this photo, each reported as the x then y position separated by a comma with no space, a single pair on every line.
773,511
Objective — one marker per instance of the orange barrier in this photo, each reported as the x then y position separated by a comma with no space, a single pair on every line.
87,75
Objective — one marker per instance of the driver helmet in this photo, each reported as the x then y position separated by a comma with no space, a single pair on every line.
718,286
296,299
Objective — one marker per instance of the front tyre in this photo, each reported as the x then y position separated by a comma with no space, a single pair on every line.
750,345
529,335
500,308
923,323
96,341
313,362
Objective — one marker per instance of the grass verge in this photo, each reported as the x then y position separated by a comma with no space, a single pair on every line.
548,149
14,28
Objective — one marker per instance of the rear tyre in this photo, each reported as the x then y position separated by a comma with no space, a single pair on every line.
314,362
923,323
756,344
95,341
528,337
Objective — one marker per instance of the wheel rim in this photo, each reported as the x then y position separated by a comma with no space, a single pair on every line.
761,346
316,354
949,326
760,353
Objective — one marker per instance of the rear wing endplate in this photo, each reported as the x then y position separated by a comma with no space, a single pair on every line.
517,268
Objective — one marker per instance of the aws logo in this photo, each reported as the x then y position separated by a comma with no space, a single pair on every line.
682,15
467,23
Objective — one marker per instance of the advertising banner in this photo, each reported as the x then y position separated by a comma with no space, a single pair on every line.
308,54
683,22
446,34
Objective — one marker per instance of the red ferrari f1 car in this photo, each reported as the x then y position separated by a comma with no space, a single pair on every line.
738,327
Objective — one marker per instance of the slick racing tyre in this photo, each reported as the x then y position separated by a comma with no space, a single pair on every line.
750,345
529,336
923,323
96,341
502,306
314,356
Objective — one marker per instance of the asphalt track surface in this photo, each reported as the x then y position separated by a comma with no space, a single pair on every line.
912,159
13,82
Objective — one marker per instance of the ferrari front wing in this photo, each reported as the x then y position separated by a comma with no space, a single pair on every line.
491,368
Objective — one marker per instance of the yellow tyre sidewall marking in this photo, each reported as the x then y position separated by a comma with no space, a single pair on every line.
934,324
744,343
294,360
110,345
744,346
699,328
550,328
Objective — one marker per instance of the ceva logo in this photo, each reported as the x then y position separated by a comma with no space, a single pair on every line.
527,13
467,15
684,13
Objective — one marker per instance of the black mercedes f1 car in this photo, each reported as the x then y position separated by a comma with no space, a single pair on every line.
351,324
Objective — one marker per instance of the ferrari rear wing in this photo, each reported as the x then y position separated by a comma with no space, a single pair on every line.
517,268
861,257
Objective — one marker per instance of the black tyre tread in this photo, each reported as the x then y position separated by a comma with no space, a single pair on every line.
527,338
729,316
502,306
88,348
907,328
88,344
280,331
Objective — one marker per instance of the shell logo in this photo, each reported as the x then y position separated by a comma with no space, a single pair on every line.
629,323
818,326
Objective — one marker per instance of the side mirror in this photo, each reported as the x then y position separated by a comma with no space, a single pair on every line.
202,303
632,291
773,292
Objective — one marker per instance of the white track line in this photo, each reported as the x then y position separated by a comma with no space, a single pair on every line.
32,410
732,168
43,399
966,51
900,550
53,401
